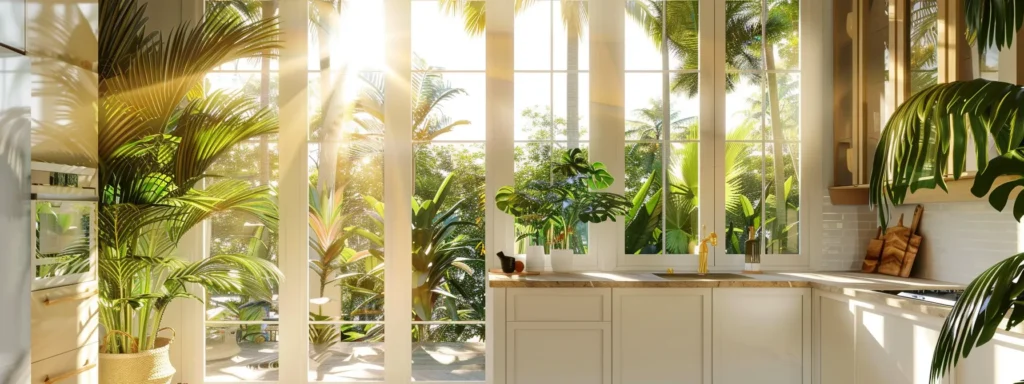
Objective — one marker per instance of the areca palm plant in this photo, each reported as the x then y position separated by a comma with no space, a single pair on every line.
933,128
159,133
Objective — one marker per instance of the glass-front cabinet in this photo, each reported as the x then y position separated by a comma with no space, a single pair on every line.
884,52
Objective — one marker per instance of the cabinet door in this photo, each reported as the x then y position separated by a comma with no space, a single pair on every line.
558,353
834,337
893,349
762,335
996,362
661,335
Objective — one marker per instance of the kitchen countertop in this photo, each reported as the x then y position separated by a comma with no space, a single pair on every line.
858,286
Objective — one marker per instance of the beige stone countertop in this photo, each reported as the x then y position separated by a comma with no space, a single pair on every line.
855,285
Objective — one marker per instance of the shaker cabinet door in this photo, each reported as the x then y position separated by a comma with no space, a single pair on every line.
558,353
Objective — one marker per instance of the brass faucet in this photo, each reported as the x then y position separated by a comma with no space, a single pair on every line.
702,268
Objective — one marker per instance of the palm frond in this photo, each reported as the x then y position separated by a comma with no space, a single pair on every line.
936,125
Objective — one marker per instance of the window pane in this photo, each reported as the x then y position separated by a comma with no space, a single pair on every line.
782,94
346,352
924,35
533,37
242,353
572,106
683,30
448,234
682,213
339,28
570,40
642,40
644,106
449,40
783,34
449,106
782,234
743,48
744,106
684,102
744,185
532,104
455,352
644,227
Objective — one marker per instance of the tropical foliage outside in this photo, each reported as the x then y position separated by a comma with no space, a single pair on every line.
346,161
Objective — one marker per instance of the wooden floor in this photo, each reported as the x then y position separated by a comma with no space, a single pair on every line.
346,362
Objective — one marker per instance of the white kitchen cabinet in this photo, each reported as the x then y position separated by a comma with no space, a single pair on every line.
661,335
558,353
893,346
762,335
998,362
835,321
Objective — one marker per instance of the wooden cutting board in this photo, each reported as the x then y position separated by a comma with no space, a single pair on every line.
914,244
874,253
896,240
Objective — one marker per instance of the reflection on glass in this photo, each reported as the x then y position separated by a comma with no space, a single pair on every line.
64,239
460,355
644,227
924,54
346,352
246,352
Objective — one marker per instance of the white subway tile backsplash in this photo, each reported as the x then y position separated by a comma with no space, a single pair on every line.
960,239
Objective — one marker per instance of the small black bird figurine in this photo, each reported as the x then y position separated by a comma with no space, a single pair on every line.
508,263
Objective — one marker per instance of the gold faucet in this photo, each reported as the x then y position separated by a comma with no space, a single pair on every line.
702,268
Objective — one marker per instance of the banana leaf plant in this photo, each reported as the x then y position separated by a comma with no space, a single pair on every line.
570,199
643,221
932,131
159,133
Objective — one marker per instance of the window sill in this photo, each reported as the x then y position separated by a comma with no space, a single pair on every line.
959,191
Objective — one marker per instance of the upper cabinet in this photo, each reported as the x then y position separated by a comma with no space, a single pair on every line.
885,51
63,45
12,24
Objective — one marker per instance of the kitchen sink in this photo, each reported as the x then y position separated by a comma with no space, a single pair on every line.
709,276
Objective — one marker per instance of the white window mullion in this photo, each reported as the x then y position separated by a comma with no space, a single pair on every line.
293,194
712,126
815,74
607,117
398,191
500,162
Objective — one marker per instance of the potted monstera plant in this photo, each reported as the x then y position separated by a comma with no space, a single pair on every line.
935,127
159,133
561,204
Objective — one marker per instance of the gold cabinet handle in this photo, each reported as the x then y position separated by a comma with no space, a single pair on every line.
68,375
76,297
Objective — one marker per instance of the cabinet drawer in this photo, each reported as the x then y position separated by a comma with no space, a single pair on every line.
74,367
559,304
63,319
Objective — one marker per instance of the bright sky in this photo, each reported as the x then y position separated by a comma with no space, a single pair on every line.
540,45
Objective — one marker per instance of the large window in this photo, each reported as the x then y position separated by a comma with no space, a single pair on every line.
424,107
552,104
752,134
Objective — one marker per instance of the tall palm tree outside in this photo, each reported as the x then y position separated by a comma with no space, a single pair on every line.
575,17
754,29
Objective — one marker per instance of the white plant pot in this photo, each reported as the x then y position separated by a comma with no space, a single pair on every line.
535,258
561,260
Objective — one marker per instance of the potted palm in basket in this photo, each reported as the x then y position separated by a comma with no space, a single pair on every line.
158,135
936,126
560,205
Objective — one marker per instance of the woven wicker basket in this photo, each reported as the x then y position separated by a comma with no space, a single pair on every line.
147,367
